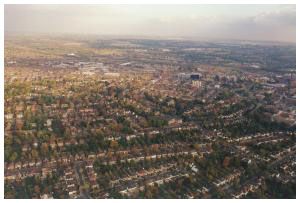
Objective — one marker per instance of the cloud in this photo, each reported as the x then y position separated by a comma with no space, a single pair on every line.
202,22
275,26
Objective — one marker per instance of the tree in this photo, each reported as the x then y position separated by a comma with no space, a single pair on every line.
44,149
37,189
123,142
114,144
197,146
58,127
13,157
226,161
34,154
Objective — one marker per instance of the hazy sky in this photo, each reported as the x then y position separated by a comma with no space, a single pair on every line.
206,22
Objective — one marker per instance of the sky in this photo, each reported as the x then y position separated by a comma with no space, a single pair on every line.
203,22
